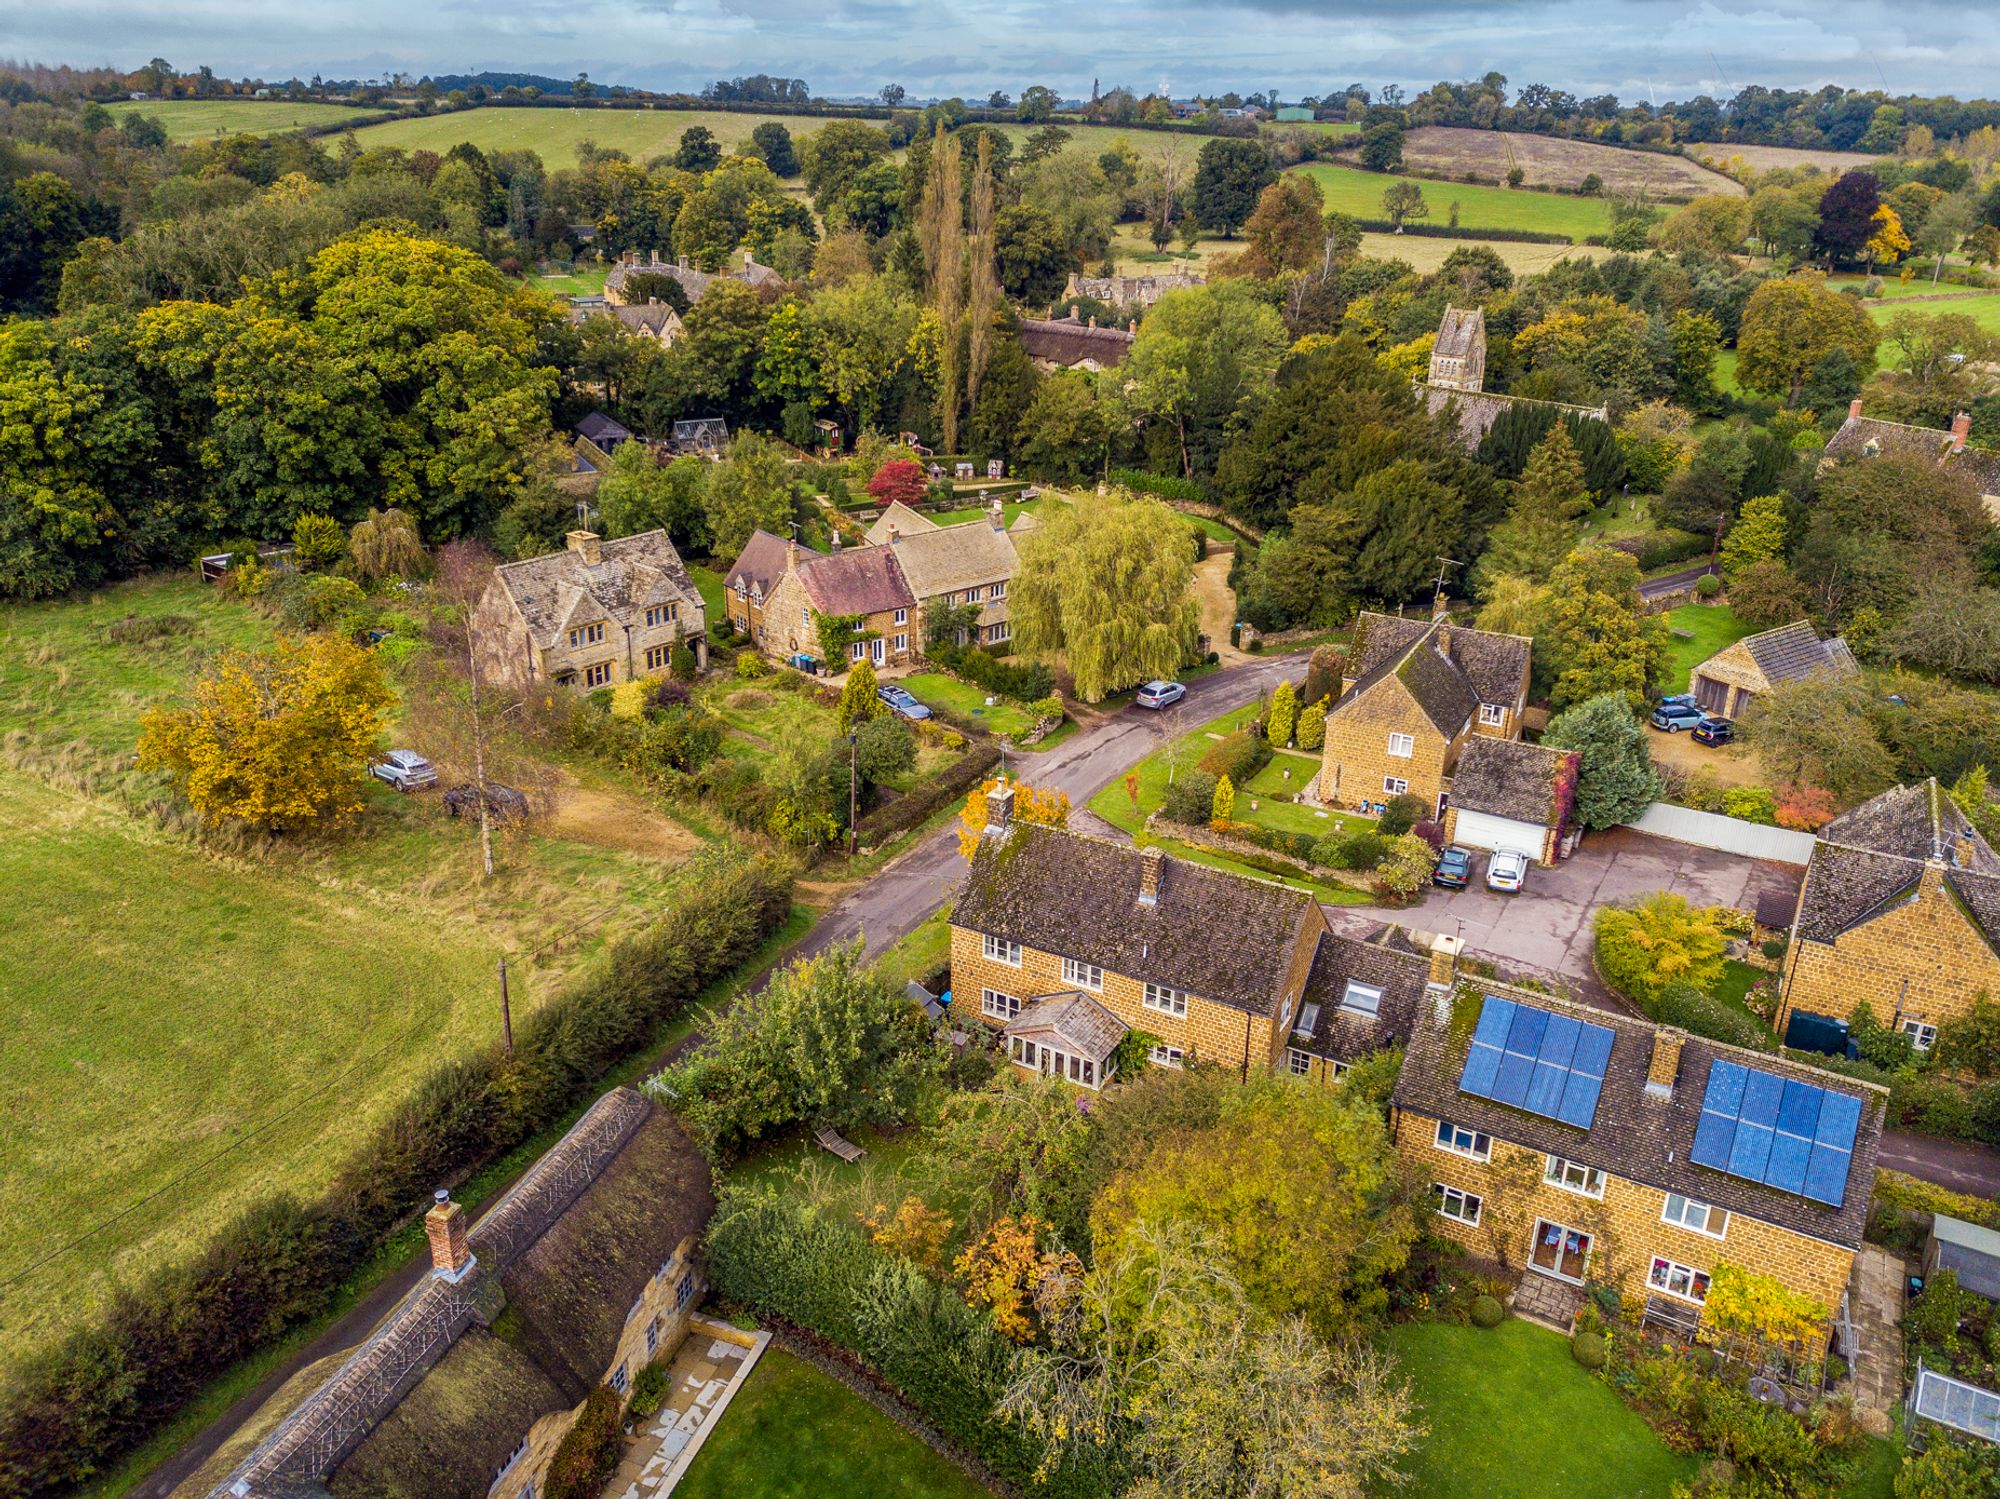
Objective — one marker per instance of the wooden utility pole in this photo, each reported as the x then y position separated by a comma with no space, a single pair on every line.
506,1015
853,789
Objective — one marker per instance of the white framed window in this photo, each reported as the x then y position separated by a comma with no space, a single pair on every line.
805,619
1168,1056
902,616
1679,1280
1083,975
1922,1036
1574,1176
684,1292
902,642
652,1337
1453,1203
858,649
597,675
1000,950
620,1379
1297,1062
997,591
1361,999
1492,715
1459,1140
1685,1212
1340,1070
586,635
999,1006
1166,1001
972,595
1402,746
1395,785
1001,631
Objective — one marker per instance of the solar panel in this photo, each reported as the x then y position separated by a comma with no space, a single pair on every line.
1536,1060
1778,1131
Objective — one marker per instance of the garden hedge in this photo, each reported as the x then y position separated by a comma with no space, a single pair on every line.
909,810
78,1405
1651,549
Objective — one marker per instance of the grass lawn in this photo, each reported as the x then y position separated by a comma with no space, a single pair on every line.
1725,373
941,691
1134,253
709,584
1010,511
1735,983
203,119
1710,627
1983,308
792,1432
1620,517
1512,1416
1351,190
587,280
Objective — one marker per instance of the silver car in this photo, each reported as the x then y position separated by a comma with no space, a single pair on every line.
406,770
1506,871
1160,694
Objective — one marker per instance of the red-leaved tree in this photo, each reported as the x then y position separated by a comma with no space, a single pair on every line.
900,479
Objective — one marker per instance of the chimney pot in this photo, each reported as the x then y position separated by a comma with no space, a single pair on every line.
444,1227
999,808
1444,961
1854,409
587,545
1961,428
1152,864
1665,1065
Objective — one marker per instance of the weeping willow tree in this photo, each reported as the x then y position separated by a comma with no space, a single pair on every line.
1106,583
941,224
984,272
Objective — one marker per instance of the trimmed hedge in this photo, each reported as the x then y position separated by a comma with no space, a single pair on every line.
1653,549
1190,798
785,1259
1239,756
907,811
1445,231
81,1403
1487,1311
1170,486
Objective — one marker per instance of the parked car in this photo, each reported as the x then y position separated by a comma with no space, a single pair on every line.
1454,869
903,702
1714,732
1507,870
802,662
1160,694
502,802
1675,714
406,770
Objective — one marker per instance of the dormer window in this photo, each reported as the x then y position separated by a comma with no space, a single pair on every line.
582,635
661,614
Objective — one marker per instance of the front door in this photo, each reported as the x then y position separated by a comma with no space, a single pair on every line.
879,646
1559,1251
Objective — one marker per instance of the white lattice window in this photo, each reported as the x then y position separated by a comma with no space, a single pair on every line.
1083,975
1574,1176
652,1337
1000,950
1459,1140
1395,785
1166,1001
999,1006
1679,1280
1922,1036
1297,1062
1456,1204
1402,745
620,1379
1168,1056
1702,1217
1492,715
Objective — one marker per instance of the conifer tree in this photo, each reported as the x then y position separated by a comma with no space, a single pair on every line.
1540,528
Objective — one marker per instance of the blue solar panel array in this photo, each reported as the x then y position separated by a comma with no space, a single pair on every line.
1545,1063
1770,1129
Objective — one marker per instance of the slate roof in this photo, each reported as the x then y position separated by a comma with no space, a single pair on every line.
600,429
435,1400
1496,665
1130,291
1076,1020
551,590
1069,342
1793,652
1477,411
1386,960
1460,332
946,559
694,282
857,580
1636,1135
649,318
761,563
1871,437
907,522
1872,856
1510,778
1225,937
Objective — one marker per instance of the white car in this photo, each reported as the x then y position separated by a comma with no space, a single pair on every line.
1506,870
406,770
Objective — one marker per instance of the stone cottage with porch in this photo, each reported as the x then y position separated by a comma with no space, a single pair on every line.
866,583
1567,1145
587,1270
970,564
1725,683
1414,693
1900,910
592,615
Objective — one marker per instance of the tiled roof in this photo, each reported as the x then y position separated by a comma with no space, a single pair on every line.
1871,437
1510,778
761,563
945,559
597,427
1068,342
1460,332
636,571
1918,821
1438,686
858,580
1794,652
695,283
1871,856
1496,665
1477,411
1225,937
1634,1134
1847,885
907,522
1386,961
1077,1021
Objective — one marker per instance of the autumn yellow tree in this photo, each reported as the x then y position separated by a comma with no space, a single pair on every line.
1889,242
1005,1268
1048,807
276,739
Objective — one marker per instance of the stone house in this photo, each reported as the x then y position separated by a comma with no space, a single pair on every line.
963,564
586,1271
1569,1145
1507,793
756,571
651,319
1414,693
1073,343
1065,943
1130,291
864,582
592,615
692,281
1900,909
1871,437
1726,681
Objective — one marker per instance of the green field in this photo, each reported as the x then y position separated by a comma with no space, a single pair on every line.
1982,308
791,1432
203,119
968,701
1351,190
1513,1416
1710,628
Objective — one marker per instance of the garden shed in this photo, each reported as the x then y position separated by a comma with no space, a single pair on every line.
1972,1252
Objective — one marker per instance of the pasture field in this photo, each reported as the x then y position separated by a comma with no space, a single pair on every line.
1547,161
1764,158
1982,308
1354,191
1422,252
202,119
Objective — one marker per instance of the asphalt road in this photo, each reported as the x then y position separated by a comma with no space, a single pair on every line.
1680,582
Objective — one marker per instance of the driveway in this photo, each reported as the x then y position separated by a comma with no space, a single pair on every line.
1545,930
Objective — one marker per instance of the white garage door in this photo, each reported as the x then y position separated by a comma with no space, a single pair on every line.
1484,830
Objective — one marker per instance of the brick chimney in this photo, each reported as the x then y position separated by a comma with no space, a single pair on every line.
999,808
1152,864
1961,428
587,545
996,516
1444,961
444,1226
1665,1066
1854,409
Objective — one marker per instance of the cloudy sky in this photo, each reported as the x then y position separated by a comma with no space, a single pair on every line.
843,47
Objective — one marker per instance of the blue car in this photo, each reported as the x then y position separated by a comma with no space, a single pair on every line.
1672,714
902,702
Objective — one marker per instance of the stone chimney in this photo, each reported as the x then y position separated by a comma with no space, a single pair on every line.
1665,1066
999,808
681,262
1961,428
1444,641
1075,313
628,257
836,539
894,535
652,301
444,1226
1963,853
587,545
1854,409
748,261
996,516
792,555
1152,864
1444,961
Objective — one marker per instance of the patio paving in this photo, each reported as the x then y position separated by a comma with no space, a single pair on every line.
706,1373
1875,1302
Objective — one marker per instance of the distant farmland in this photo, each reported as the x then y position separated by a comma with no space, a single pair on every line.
204,119
1763,158
1546,161
1360,193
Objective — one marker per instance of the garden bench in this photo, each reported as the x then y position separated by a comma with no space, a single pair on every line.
847,1150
